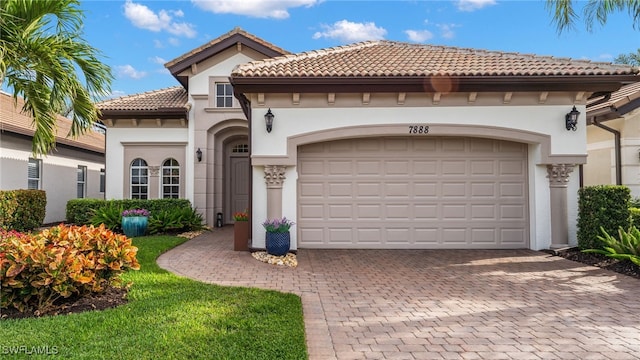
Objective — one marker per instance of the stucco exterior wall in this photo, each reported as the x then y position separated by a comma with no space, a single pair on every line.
600,166
116,172
58,173
543,120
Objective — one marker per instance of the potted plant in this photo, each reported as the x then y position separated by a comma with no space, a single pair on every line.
134,222
278,238
241,231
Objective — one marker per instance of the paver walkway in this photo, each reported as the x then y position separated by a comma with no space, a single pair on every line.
437,304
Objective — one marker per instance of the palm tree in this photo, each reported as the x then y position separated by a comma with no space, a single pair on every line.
564,14
44,60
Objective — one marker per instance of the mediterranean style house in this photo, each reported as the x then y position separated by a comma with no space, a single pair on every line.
377,144
613,139
75,169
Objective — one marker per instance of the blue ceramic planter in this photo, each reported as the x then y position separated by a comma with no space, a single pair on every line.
134,226
278,244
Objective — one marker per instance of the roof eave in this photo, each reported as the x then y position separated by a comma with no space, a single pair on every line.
161,113
431,84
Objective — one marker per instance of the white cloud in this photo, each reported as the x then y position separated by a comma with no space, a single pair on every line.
158,60
130,72
419,36
347,31
173,41
143,17
446,30
473,5
276,9
158,44
605,57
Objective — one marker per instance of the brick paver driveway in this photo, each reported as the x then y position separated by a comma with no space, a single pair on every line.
444,304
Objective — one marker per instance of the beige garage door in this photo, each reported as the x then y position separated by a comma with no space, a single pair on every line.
424,192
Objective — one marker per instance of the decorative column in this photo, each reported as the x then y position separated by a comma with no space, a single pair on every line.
274,177
153,185
558,175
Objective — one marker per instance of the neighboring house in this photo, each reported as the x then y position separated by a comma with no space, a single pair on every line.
377,144
75,169
613,138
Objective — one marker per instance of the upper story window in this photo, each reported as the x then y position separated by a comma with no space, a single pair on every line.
224,95
81,182
170,179
34,174
139,179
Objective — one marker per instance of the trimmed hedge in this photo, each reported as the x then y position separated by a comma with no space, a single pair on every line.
22,210
635,216
80,211
605,206
8,206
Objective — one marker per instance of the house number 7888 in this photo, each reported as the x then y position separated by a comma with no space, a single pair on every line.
418,129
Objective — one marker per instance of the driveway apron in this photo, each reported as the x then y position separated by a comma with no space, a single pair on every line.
436,304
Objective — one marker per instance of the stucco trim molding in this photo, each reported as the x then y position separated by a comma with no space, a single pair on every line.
153,143
459,130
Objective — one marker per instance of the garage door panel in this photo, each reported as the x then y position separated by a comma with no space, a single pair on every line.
454,167
483,189
425,167
512,190
413,193
338,167
397,168
396,190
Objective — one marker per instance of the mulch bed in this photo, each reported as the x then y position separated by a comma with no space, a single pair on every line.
624,267
111,298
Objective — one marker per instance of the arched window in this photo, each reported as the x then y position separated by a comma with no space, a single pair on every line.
139,179
170,179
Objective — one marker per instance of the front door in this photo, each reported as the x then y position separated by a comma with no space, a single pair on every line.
237,179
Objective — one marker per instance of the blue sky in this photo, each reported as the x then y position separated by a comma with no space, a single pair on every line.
137,37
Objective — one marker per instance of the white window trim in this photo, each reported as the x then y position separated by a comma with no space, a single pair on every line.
162,176
38,163
82,169
146,185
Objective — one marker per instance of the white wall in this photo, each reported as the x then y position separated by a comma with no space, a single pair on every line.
543,119
58,179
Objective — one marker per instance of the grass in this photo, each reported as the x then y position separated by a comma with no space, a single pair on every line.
167,317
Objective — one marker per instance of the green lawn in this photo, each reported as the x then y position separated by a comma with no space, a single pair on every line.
167,317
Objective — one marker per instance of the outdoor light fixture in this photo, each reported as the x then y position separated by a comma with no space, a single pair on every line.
268,118
199,155
571,119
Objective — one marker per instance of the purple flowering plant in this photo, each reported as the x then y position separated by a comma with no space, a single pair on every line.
135,212
278,225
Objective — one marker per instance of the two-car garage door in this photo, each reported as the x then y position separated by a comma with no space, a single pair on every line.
417,192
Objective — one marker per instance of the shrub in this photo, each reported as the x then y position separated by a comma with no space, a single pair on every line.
601,206
31,209
626,247
80,211
175,220
8,205
635,216
109,215
37,270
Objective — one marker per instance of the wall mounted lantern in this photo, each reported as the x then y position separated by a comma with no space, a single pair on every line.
199,155
571,119
268,118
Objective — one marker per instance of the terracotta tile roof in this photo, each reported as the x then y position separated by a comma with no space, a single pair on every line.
396,59
625,95
212,43
175,97
12,119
